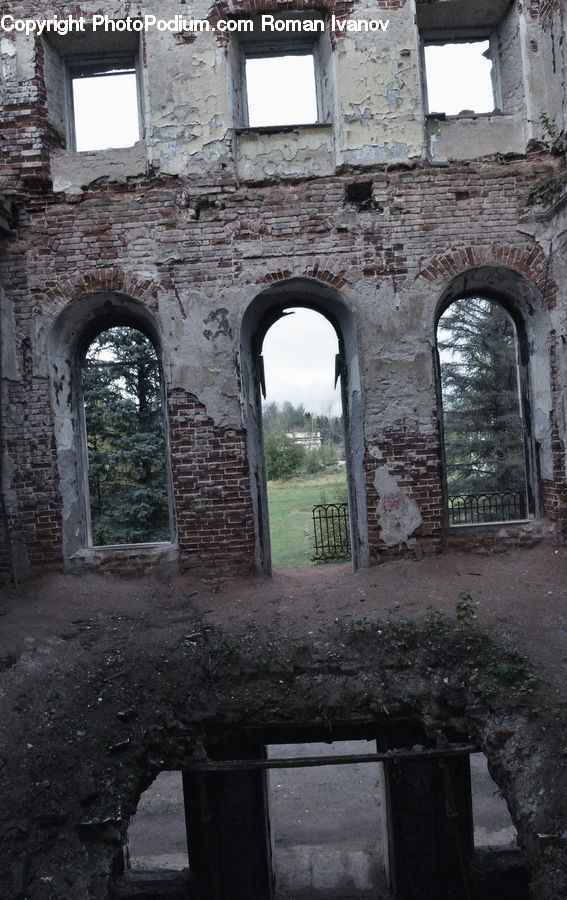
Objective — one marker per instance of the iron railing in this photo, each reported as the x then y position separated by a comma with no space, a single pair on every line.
331,532
498,506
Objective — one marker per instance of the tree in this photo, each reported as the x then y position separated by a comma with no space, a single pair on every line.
125,440
283,456
483,428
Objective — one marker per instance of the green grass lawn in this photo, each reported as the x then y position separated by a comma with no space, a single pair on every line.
291,506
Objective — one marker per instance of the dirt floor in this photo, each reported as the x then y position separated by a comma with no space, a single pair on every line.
520,595
106,681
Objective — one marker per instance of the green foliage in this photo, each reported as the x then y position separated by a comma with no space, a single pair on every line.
465,611
283,456
481,412
328,438
549,129
127,477
291,505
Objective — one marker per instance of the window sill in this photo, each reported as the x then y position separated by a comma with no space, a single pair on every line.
73,170
468,114
488,527
128,559
280,129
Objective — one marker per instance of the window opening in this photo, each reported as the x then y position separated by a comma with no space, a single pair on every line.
105,110
459,77
281,89
493,826
304,450
157,838
326,821
485,460
125,439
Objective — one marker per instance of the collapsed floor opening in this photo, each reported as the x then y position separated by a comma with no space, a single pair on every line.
369,816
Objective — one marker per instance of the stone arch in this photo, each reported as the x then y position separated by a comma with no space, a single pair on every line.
73,330
265,309
529,309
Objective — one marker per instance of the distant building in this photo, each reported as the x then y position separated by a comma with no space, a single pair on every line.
311,440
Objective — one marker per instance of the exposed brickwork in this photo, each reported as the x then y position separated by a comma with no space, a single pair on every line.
215,529
33,502
419,214
165,239
529,261
555,492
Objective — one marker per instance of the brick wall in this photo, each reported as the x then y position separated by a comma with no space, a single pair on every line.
425,224
151,235
414,459
211,486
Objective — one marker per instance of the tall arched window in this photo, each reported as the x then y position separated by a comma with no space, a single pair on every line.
266,309
483,420
127,477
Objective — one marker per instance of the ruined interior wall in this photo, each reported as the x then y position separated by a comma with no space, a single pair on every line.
205,272
509,63
172,211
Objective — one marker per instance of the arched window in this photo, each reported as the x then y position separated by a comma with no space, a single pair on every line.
127,478
483,416
266,309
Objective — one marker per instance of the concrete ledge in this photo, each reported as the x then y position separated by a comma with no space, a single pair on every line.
126,559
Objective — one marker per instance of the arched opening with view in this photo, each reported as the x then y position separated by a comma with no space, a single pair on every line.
125,443
320,424
303,435
485,413
110,429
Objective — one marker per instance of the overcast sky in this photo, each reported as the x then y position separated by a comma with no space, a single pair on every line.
299,362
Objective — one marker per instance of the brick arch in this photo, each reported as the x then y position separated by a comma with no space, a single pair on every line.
336,280
94,281
528,260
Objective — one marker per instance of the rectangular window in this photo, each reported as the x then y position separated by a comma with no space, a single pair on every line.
281,89
283,77
104,109
459,77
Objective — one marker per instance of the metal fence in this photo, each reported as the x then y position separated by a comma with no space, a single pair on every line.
331,532
499,506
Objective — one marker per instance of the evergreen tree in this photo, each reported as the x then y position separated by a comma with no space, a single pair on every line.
123,411
481,410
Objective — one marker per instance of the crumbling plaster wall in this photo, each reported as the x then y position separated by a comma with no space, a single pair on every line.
188,90
552,46
378,89
195,246
205,269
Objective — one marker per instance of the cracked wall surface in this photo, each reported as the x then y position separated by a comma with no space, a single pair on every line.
188,227
201,234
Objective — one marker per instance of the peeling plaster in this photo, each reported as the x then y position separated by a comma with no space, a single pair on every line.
71,171
397,515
